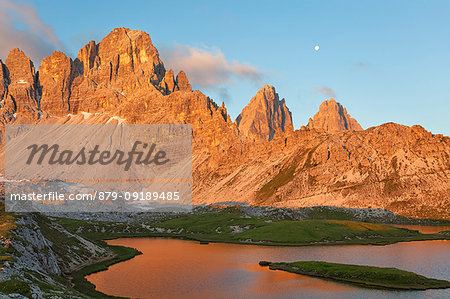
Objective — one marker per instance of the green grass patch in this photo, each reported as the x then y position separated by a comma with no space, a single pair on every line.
15,286
7,224
365,276
282,178
214,223
234,227
324,231
82,285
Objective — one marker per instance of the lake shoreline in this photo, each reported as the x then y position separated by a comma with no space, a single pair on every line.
78,278
426,237
349,232
124,253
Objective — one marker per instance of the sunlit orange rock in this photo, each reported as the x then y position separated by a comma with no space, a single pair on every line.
265,116
258,159
333,117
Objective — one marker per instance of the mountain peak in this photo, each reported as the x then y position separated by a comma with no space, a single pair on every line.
267,92
121,53
20,66
183,82
21,93
333,117
265,116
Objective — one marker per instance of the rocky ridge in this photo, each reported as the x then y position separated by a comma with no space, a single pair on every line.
44,254
259,158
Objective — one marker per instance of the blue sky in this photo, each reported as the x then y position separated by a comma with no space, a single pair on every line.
383,60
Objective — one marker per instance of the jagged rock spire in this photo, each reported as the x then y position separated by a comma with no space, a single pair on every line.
265,116
333,117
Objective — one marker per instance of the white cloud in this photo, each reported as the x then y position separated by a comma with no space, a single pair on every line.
32,36
208,67
326,91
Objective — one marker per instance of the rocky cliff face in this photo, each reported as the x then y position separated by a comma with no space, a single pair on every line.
56,74
332,161
20,94
265,116
3,80
125,63
333,117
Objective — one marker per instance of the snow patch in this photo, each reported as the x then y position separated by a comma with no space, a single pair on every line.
86,115
119,119
121,93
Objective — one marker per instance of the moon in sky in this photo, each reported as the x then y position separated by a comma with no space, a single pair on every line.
317,48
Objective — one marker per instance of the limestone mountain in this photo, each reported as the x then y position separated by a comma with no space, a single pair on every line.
125,63
19,88
332,161
265,116
333,117
56,74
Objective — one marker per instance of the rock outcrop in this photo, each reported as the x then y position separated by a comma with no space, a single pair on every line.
333,117
168,84
265,116
43,253
183,82
21,96
55,77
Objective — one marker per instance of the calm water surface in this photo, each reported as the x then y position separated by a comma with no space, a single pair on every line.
170,268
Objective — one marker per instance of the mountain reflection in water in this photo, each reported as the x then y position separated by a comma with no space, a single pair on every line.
170,268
